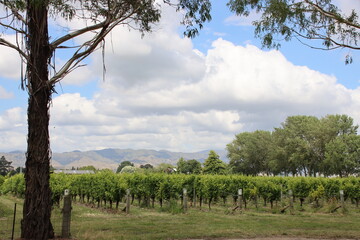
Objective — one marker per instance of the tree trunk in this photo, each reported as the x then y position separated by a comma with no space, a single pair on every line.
37,204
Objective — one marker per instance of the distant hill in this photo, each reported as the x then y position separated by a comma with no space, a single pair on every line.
111,157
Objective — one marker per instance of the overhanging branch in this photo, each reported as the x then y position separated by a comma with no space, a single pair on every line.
324,38
10,45
55,44
338,18
90,46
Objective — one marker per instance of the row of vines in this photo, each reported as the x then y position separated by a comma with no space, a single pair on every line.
106,187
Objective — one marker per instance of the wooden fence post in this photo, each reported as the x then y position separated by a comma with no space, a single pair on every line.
66,211
13,224
128,200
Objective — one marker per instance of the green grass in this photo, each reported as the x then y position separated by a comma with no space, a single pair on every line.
92,223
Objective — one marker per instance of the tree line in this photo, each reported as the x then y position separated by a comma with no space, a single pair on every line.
302,145
212,165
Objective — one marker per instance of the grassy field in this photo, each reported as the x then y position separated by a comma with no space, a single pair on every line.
220,222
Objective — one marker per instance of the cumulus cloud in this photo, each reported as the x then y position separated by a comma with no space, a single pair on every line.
10,63
242,89
161,93
13,129
158,60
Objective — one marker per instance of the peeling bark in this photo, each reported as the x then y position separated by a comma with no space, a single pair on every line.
37,205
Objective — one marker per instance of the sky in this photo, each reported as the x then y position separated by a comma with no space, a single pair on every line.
166,92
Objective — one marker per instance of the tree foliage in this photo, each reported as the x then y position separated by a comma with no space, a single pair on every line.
128,169
124,164
188,166
5,166
147,166
249,153
305,20
302,145
213,164
342,156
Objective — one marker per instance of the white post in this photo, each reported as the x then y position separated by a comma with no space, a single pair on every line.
342,199
185,199
240,198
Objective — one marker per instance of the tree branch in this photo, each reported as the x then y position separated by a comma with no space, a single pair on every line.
108,25
13,28
55,44
321,37
18,15
10,45
332,16
78,56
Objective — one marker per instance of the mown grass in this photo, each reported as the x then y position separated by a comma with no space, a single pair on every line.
220,222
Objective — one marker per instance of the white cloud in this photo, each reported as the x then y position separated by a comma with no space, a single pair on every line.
159,60
11,119
242,89
161,93
13,130
10,63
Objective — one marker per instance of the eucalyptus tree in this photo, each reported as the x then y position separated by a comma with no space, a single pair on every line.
250,152
342,156
321,20
188,166
338,125
299,135
28,20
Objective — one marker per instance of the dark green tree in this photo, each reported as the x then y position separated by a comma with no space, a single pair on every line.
22,170
337,125
5,166
181,165
189,166
36,48
147,166
304,20
299,135
250,152
213,164
165,168
124,164
343,156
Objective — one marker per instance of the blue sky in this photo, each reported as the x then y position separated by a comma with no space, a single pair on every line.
167,92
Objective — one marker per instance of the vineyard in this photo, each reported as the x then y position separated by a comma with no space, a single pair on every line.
108,189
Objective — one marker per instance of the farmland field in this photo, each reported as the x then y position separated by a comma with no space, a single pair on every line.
89,222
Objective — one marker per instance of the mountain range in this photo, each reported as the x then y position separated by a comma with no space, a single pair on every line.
111,157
